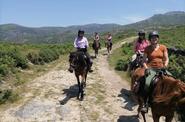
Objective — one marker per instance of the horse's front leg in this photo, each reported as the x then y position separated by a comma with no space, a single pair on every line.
85,79
155,117
83,84
169,118
79,86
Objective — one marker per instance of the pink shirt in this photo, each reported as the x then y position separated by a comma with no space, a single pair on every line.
141,46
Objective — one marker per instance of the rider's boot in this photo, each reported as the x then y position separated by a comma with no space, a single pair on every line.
144,108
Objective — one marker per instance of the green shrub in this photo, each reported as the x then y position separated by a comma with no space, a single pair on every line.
121,65
8,95
20,60
34,58
48,55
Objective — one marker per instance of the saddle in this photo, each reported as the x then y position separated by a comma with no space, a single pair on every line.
147,83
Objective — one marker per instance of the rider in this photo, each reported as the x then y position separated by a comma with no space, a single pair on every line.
81,44
96,40
157,56
140,44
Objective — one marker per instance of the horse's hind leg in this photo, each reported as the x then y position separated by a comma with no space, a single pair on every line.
169,118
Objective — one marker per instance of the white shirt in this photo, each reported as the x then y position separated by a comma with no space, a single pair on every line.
81,42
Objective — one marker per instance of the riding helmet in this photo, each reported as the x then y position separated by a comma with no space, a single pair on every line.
141,33
153,33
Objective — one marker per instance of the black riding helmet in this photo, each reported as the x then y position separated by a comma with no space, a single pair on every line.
153,33
141,33
81,31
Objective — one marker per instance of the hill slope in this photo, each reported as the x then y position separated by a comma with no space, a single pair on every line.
20,34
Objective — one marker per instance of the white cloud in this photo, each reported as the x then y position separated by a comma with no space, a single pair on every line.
160,11
134,18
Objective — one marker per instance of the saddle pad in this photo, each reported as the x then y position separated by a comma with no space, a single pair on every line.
148,79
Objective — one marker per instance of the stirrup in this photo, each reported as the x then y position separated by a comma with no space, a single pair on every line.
144,109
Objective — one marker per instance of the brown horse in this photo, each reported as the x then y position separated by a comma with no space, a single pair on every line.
168,93
109,46
78,61
96,47
137,63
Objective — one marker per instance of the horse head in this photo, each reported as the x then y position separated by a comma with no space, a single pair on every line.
77,59
137,62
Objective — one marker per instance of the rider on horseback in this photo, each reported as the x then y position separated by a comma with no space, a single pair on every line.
140,44
81,44
109,40
157,56
96,40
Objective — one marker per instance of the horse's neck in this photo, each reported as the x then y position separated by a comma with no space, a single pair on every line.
167,88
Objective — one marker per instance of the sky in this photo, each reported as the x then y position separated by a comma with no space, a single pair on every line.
39,13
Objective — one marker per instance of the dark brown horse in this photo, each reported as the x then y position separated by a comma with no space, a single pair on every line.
168,93
78,61
96,47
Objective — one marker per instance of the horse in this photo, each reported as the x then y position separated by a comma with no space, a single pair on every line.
138,62
109,46
96,47
168,93
79,63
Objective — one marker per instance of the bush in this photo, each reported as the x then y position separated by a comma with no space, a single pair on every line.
48,55
20,60
8,95
6,66
121,65
34,58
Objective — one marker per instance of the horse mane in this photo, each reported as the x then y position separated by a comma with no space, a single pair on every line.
168,90
80,58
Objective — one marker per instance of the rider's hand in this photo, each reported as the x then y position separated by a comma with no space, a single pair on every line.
147,72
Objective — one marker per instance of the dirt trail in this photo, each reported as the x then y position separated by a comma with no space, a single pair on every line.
52,97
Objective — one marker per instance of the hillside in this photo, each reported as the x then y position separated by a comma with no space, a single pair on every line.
160,20
19,34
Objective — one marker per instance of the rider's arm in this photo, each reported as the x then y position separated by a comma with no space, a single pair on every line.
86,43
166,59
144,61
97,38
75,43
135,46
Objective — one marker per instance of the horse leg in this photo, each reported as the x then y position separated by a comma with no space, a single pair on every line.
155,117
83,85
143,114
95,53
139,107
79,87
82,90
85,79
108,50
169,118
